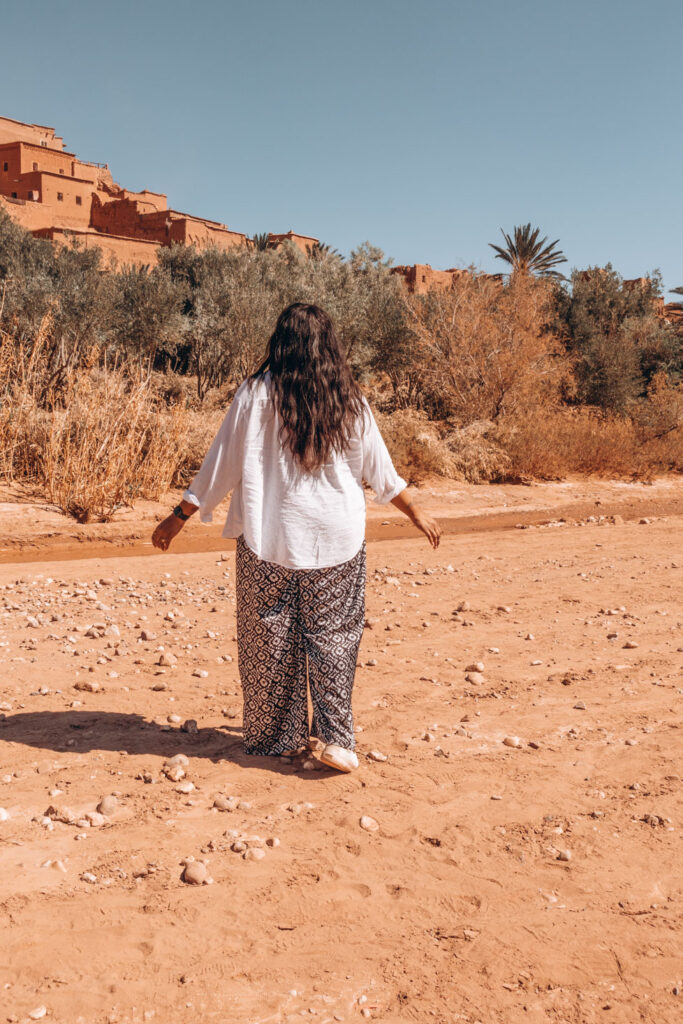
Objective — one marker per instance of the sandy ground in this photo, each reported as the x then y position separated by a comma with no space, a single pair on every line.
538,882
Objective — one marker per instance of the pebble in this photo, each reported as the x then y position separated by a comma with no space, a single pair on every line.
564,855
174,772
4,815
272,841
88,876
226,803
369,824
107,805
201,673
254,853
38,1013
376,755
476,666
476,678
196,873
185,787
630,645
87,686
190,726
512,741
147,635
238,846
580,706
167,659
95,819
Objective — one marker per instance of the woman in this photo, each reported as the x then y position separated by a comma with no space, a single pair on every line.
294,448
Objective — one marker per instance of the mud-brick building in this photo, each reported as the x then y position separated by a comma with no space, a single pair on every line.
421,278
55,195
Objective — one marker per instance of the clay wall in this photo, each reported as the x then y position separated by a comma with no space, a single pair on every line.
116,251
302,242
149,201
13,131
10,167
70,198
420,278
31,216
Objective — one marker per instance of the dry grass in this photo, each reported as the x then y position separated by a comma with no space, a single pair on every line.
98,445
421,448
106,439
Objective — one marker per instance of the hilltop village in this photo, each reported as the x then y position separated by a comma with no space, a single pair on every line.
54,194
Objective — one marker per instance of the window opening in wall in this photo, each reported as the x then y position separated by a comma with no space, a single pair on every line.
60,196
43,143
14,195
5,166
79,201
35,166
61,170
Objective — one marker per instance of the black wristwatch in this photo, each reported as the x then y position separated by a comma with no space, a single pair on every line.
177,511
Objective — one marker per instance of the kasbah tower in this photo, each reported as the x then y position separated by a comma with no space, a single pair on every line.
55,195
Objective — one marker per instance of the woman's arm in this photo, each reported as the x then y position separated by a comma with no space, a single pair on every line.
171,526
219,473
422,520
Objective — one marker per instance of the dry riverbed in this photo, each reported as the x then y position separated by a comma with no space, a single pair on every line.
509,849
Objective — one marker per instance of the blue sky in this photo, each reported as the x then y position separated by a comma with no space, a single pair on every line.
422,127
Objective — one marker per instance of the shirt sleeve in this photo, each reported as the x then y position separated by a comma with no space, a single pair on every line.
378,469
221,470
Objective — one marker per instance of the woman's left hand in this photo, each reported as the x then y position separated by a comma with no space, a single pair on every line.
166,531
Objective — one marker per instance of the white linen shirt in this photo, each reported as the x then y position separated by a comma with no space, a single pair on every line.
287,516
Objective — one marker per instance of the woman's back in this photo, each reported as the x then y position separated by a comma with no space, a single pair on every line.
288,515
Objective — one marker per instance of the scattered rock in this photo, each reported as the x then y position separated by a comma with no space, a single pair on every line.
564,855
196,873
476,678
512,741
376,755
254,853
38,1013
108,805
167,659
190,726
95,819
630,645
226,803
369,824
476,666
4,815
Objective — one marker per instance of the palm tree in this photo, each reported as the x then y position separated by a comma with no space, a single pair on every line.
319,250
677,291
260,241
529,255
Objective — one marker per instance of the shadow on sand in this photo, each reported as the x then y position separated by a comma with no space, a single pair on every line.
78,732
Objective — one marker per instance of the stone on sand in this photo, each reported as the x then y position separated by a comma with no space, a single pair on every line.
369,824
512,741
196,873
476,678
108,805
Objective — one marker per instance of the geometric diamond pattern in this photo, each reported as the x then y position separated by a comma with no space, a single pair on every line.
290,621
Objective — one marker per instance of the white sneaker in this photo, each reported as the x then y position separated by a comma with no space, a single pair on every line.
338,757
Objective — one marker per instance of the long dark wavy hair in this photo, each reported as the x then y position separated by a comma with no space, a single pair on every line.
313,390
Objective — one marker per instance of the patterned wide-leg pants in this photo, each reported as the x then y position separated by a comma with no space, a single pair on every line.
294,623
